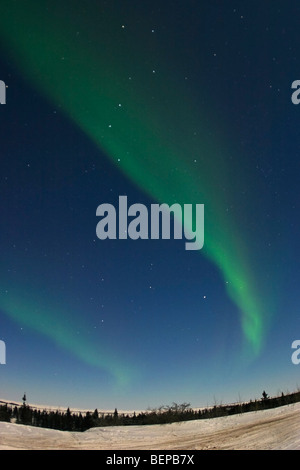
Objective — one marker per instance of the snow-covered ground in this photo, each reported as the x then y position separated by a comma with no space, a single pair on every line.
277,428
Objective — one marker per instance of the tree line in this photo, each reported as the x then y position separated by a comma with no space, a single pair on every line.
68,421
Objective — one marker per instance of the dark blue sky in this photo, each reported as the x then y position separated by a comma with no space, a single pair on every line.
132,324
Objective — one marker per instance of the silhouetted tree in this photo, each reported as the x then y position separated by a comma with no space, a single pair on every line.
265,395
88,421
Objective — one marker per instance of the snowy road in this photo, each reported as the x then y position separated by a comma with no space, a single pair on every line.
277,428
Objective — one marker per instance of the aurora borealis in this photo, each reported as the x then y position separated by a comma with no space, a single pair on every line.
166,103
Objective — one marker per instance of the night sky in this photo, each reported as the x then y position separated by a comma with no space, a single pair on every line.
183,102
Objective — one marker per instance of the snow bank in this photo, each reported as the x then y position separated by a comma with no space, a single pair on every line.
277,428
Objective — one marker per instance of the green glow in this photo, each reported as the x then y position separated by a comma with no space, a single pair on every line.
66,329
144,121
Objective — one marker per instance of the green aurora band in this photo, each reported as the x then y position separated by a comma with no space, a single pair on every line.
144,121
47,318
